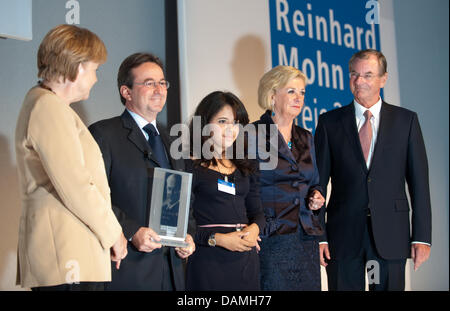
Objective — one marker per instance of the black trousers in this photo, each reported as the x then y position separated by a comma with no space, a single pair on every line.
383,275
168,280
82,286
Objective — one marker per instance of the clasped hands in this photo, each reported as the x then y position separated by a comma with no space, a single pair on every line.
240,241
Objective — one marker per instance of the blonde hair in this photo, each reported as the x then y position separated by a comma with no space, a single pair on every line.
64,48
277,77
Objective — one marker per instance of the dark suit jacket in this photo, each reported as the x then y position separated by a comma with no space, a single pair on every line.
129,167
399,155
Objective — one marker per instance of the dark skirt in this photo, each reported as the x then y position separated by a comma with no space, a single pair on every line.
215,268
290,262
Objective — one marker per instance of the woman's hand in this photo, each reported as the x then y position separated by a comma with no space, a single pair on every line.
119,250
253,232
316,200
187,251
234,241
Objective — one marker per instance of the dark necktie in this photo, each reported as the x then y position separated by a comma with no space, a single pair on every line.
365,134
155,141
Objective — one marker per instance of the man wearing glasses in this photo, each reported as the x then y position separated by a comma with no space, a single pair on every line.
370,149
132,145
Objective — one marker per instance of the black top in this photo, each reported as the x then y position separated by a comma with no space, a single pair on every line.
215,268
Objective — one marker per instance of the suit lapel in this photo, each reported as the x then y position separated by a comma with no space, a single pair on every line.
383,130
135,135
167,142
282,147
349,124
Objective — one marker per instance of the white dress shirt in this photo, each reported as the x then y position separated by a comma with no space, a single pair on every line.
141,122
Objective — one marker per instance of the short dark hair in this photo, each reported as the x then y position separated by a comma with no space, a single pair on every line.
365,54
206,110
125,77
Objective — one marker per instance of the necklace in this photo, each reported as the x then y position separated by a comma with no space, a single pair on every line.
218,167
225,176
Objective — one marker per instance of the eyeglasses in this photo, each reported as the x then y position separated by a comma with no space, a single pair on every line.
152,84
366,76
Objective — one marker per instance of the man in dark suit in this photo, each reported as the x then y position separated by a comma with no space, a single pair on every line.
132,145
369,156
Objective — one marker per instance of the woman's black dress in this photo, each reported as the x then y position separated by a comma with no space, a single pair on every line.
216,268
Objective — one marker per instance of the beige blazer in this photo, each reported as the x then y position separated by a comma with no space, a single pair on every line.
67,225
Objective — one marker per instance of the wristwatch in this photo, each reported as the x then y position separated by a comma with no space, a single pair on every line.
212,240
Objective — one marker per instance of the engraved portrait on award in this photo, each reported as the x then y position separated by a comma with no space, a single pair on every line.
169,211
170,204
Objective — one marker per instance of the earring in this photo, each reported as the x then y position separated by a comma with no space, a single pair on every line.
273,113
273,108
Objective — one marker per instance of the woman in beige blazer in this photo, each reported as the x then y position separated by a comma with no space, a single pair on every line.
68,232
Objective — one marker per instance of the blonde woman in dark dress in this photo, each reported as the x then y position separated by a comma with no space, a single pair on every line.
290,193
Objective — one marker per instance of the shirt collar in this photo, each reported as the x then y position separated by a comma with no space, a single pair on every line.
375,109
141,122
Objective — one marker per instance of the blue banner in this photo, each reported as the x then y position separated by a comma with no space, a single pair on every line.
319,37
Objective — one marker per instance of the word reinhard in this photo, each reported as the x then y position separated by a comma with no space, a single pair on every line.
320,28
234,300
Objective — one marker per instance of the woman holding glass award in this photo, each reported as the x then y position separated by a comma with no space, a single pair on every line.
226,204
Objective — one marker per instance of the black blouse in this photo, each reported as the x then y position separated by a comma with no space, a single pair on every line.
211,206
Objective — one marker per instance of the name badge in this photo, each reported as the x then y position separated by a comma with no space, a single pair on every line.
226,186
